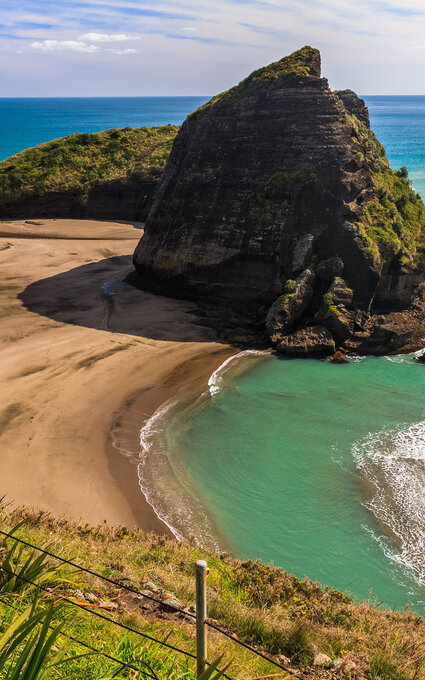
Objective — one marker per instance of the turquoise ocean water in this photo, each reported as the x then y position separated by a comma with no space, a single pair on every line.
320,468
315,466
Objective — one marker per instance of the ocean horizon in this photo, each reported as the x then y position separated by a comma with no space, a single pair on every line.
27,122
397,120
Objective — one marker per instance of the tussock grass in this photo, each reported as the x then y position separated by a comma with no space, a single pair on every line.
261,604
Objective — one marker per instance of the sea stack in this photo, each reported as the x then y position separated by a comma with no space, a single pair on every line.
279,214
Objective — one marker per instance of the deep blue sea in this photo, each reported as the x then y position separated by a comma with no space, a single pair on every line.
28,122
399,122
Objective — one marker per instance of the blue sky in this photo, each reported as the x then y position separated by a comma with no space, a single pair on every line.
201,47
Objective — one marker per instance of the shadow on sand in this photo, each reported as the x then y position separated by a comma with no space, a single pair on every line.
79,297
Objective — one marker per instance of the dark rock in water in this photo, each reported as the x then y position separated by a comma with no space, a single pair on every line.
278,176
421,358
339,357
312,341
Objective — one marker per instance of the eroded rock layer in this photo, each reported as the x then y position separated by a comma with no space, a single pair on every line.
278,211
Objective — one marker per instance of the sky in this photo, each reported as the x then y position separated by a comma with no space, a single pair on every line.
201,47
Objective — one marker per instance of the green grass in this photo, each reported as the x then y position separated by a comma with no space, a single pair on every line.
100,634
262,604
81,161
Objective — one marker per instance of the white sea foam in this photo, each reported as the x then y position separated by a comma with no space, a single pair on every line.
164,480
216,379
393,463
401,358
355,358
166,486
152,426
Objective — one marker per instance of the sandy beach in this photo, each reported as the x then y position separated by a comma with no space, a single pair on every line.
83,367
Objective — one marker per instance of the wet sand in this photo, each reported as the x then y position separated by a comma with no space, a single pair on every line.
81,370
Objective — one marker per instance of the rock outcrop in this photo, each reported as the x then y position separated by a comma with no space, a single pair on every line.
110,175
314,341
278,206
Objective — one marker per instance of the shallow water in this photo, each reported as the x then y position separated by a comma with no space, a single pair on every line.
318,467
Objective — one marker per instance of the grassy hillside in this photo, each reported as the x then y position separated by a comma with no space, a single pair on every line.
261,604
78,166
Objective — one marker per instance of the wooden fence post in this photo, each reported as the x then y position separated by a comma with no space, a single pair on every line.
201,615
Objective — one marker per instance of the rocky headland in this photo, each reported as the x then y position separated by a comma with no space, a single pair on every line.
109,175
279,214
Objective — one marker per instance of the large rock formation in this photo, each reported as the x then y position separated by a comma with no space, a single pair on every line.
278,211
109,175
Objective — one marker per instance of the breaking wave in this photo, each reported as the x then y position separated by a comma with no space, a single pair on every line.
163,478
216,380
166,485
392,463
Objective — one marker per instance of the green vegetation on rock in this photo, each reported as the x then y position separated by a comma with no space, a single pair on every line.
393,220
327,306
393,217
302,63
81,161
290,286
298,64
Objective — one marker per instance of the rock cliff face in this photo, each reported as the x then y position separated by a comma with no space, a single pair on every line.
127,198
278,212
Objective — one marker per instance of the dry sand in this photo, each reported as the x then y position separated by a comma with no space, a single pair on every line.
79,366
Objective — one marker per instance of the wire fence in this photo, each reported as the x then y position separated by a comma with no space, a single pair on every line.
123,586
122,665
99,615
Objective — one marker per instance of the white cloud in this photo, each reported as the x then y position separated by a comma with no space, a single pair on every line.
106,37
77,46
54,45
128,51
189,28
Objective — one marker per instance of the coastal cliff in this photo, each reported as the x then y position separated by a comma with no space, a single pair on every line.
110,175
279,214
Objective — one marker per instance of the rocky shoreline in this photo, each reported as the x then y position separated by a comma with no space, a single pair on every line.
279,215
